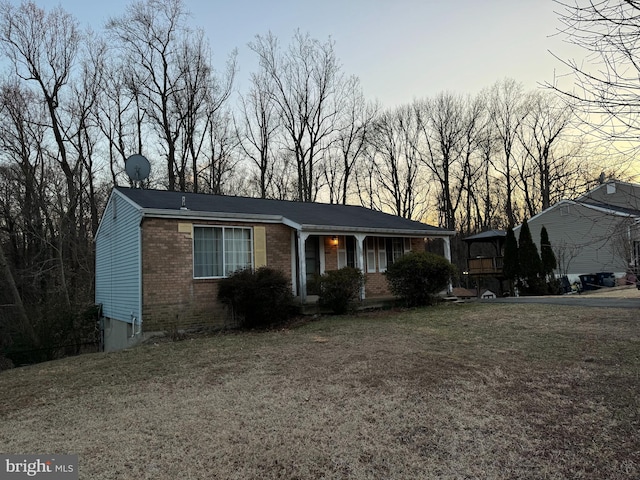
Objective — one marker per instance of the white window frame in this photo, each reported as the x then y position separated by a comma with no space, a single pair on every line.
226,230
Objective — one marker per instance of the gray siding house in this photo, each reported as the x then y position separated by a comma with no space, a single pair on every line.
596,232
160,255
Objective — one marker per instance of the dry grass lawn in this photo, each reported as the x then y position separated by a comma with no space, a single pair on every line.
451,392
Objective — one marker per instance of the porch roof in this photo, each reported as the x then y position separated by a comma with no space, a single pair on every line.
304,216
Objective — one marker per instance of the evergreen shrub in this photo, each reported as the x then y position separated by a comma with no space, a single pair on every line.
417,276
258,298
340,289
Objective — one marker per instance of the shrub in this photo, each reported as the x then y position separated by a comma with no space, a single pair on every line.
340,289
417,276
258,298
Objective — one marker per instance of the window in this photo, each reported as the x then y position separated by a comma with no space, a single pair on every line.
220,251
395,249
346,252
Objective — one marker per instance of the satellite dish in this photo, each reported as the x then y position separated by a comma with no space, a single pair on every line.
137,167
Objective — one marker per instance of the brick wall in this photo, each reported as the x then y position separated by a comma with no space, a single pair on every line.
172,298
330,254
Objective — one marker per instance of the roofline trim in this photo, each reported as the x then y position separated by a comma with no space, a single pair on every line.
408,231
608,211
199,215
243,217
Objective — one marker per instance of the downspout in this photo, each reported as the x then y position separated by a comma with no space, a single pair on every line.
140,273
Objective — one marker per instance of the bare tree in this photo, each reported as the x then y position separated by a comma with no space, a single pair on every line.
43,48
150,35
471,171
606,85
399,186
305,80
257,128
118,116
220,154
486,193
354,123
441,121
506,114
201,99
548,166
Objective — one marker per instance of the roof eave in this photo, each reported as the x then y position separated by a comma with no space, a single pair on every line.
389,231
200,215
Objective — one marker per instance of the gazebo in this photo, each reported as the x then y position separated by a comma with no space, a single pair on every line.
485,252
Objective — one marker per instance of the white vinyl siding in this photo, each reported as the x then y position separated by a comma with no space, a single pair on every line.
118,265
220,251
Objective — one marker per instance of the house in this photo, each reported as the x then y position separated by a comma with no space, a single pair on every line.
596,232
160,255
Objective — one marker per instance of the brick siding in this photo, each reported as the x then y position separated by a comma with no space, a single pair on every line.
172,298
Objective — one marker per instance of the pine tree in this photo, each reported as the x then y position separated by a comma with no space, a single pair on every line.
547,256
510,259
529,260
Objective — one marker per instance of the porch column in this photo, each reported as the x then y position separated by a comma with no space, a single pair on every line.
447,255
302,266
360,259
447,248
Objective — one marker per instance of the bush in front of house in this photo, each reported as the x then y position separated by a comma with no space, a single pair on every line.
340,289
258,298
417,276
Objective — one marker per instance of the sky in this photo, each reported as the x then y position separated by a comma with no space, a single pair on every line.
400,49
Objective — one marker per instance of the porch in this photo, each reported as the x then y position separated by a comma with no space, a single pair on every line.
310,305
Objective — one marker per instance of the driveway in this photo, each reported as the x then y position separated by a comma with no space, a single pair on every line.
616,297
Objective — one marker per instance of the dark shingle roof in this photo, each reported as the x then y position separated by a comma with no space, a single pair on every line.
346,217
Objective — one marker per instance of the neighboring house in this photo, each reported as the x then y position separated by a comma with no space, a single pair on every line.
596,232
160,255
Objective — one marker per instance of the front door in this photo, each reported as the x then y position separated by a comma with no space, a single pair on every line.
312,262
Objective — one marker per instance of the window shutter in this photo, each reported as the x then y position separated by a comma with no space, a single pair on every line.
382,255
370,246
260,247
342,252
407,245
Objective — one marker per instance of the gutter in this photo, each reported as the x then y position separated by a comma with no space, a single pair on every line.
261,218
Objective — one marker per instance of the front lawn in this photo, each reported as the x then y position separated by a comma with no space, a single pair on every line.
455,391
